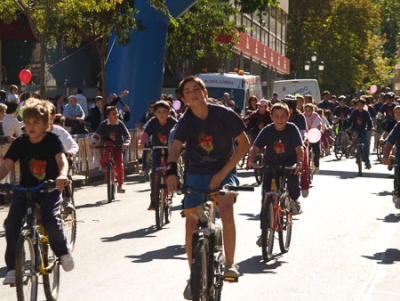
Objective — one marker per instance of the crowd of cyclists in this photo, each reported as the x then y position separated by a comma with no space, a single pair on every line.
213,136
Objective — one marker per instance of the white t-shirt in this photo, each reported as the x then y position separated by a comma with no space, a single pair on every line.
13,97
69,143
11,126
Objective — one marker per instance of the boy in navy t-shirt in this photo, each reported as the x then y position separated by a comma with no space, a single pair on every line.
209,131
158,128
284,147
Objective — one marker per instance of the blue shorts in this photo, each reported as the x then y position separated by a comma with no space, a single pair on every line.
202,182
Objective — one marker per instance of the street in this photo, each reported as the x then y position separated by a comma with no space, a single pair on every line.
345,246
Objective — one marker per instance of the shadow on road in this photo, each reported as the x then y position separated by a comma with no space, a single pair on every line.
387,257
352,175
3,272
391,218
169,252
251,216
383,193
255,265
2,234
140,233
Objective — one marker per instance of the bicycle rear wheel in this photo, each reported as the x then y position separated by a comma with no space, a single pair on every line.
379,152
359,159
199,271
69,225
267,232
159,200
339,150
51,280
285,235
258,173
26,275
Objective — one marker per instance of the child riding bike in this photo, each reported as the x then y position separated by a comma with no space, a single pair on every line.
42,157
113,131
159,128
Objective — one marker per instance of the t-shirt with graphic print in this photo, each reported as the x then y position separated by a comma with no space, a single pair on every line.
360,121
159,133
280,145
342,112
209,142
37,160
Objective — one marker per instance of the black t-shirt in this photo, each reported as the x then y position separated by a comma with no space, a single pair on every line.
37,160
159,133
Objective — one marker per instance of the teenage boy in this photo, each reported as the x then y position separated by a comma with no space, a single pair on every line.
209,131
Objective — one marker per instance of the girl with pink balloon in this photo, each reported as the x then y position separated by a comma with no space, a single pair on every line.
314,126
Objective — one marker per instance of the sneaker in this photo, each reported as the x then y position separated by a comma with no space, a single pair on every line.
295,207
67,262
231,270
390,167
305,193
10,278
367,165
68,206
120,189
151,206
316,170
259,241
397,203
187,293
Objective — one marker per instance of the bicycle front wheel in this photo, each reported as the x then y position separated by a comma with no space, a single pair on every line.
51,280
339,150
379,152
258,173
109,183
359,160
285,234
218,277
267,231
167,206
26,275
159,195
199,270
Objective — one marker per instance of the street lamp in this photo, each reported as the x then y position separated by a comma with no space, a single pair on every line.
313,67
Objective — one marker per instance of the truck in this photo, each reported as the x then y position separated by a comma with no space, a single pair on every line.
298,86
240,86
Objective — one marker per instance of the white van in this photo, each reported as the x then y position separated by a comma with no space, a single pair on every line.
298,86
239,85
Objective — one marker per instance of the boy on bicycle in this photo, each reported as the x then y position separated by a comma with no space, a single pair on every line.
284,147
113,132
42,157
359,123
209,131
159,128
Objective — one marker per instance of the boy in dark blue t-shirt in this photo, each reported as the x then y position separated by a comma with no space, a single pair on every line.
284,147
158,128
209,131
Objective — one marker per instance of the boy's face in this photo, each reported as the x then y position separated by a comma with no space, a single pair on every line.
342,103
194,94
360,106
397,114
162,114
308,111
279,117
113,116
35,128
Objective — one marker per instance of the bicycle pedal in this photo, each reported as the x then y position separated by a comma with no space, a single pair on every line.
231,279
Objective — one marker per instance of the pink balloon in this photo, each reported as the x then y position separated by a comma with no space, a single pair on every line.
314,135
25,76
373,89
176,104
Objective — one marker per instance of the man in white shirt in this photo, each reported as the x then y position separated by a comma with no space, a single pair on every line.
82,101
75,116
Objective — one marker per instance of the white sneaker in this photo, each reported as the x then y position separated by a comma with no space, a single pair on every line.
10,278
397,203
259,241
316,170
295,207
67,262
304,193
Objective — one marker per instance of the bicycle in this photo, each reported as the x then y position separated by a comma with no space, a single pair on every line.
342,140
162,200
275,213
359,156
208,261
33,254
110,172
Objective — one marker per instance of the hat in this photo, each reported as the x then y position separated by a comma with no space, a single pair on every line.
263,102
170,96
389,95
99,97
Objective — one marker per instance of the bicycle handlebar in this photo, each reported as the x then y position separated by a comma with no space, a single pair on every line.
226,189
46,186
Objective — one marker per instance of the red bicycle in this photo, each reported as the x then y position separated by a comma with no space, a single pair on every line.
110,174
162,199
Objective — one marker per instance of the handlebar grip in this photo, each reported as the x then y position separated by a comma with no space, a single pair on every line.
240,188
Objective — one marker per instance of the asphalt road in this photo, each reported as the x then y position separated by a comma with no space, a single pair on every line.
345,246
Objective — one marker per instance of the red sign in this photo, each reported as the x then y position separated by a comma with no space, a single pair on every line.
258,51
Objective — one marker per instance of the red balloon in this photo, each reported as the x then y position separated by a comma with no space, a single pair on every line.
25,76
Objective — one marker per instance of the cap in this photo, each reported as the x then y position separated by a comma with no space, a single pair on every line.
289,98
389,95
263,102
170,96
342,97
99,97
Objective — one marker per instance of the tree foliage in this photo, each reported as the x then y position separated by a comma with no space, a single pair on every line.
347,36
